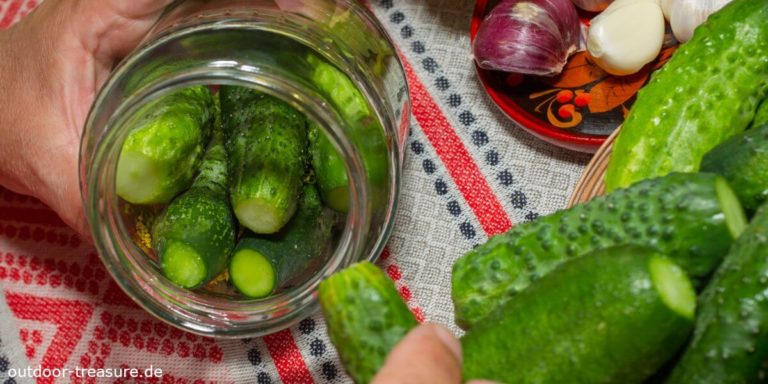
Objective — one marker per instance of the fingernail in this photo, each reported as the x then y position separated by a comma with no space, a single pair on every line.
449,340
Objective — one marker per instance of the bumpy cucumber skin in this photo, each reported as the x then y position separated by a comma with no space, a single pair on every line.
173,132
728,343
679,214
366,317
743,161
267,142
201,217
363,130
301,245
594,319
706,93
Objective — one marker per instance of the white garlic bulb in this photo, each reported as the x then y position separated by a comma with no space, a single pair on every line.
685,15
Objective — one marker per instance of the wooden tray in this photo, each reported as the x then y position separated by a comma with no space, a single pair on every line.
591,182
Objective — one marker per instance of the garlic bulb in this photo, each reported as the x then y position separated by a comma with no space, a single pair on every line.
592,5
626,36
685,15
532,37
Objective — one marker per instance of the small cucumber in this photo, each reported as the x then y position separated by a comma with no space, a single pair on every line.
363,130
260,264
330,170
195,235
729,342
160,156
612,316
693,218
267,141
366,317
707,92
743,161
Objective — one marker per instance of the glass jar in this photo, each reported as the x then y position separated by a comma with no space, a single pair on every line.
268,45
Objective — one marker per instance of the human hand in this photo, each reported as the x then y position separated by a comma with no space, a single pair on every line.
428,354
52,65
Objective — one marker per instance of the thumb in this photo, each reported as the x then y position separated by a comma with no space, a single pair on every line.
429,353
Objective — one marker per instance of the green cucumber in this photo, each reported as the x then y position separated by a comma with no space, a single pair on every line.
728,343
693,218
365,316
195,235
160,156
761,116
707,92
340,89
267,141
330,170
260,264
364,132
743,161
612,316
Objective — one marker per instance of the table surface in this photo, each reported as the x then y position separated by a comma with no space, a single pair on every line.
469,173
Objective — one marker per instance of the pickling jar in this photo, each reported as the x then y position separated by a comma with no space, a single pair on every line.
262,44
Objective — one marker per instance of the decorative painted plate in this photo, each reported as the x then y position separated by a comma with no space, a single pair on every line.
576,110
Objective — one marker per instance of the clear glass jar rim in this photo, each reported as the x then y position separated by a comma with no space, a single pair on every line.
141,288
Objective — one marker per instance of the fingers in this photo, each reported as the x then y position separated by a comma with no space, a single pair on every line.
134,9
428,354
110,29
57,187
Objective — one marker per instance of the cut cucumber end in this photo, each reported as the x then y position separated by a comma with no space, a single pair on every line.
260,216
735,218
673,286
137,180
337,199
252,273
182,265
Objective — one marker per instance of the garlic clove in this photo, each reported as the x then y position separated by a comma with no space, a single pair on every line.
686,15
626,36
666,5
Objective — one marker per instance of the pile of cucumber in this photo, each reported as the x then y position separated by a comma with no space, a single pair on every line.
250,192
663,279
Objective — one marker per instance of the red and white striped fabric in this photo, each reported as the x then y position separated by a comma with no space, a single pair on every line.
469,174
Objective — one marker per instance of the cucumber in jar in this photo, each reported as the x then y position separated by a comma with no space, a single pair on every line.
196,233
363,130
160,156
266,139
262,263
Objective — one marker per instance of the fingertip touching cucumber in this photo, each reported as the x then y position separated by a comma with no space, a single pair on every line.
366,317
743,161
693,218
160,156
707,92
267,141
195,235
728,343
614,315
363,130
260,264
